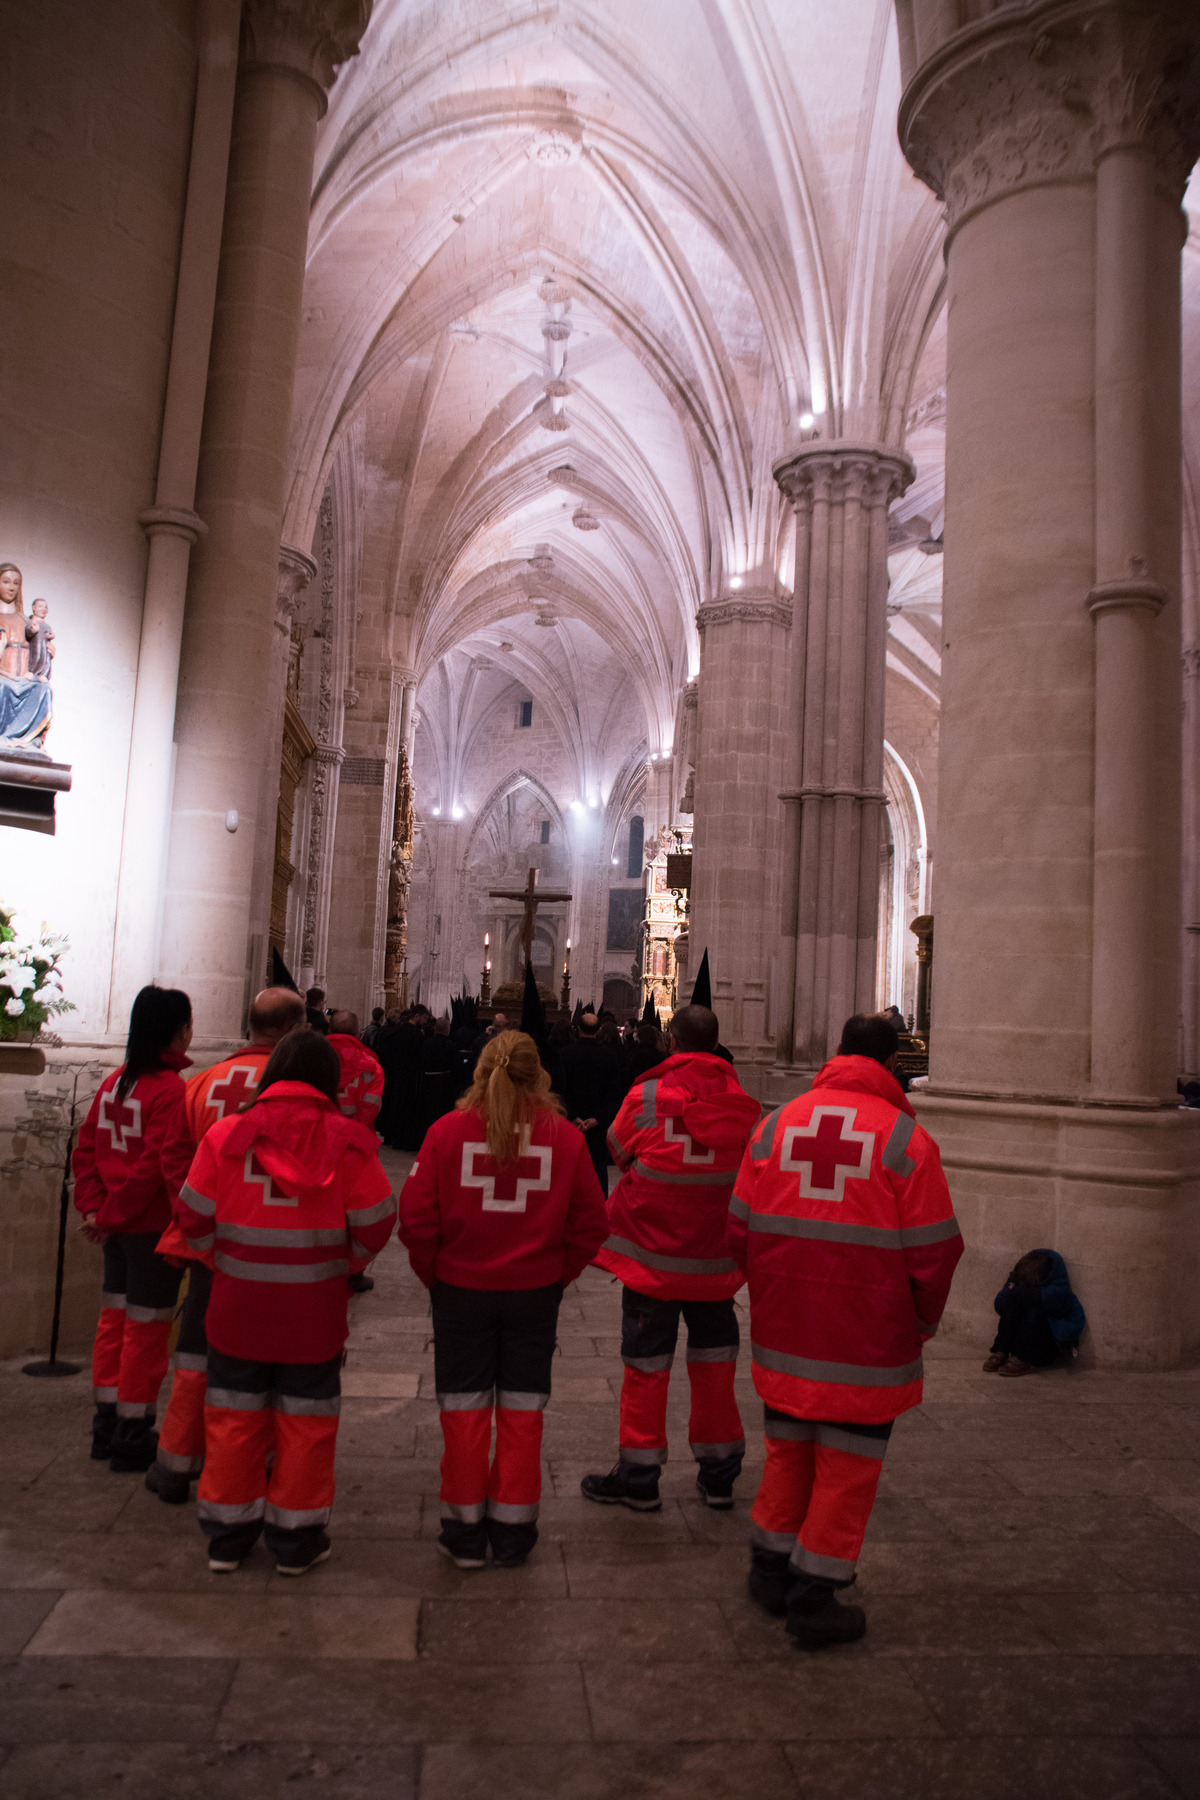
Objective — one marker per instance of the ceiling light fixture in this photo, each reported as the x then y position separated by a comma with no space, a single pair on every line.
807,421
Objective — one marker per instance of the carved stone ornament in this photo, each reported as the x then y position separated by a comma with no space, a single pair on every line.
1191,665
747,609
296,571
1035,96
838,470
311,37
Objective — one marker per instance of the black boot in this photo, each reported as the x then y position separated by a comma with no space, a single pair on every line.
511,1543
770,1580
104,1423
630,1484
465,1544
169,1484
715,1478
815,1619
134,1446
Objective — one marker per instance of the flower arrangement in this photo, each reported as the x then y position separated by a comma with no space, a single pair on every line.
30,981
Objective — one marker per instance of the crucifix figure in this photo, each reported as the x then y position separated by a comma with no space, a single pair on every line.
532,900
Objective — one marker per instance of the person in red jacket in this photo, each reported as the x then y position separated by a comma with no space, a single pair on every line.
360,1095
212,1095
501,1211
132,1156
678,1139
844,1225
286,1197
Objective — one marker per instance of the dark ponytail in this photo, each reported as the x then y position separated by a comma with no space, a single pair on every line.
303,1055
157,1017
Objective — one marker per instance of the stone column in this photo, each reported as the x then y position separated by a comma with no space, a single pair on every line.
1060,137
738,752
290,50
833,792
171,524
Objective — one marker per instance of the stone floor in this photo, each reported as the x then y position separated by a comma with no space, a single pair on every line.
1031,1578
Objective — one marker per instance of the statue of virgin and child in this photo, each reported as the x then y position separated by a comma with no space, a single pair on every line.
26,660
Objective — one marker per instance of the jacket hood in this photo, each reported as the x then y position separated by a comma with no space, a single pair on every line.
705,1093
296,1135
863,1075
350,1050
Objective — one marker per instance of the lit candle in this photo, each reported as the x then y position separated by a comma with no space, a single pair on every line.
487,938
568,961
488,965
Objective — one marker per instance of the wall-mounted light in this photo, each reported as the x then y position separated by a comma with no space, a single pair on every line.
576,806
736,583
807,421
456,812
437,812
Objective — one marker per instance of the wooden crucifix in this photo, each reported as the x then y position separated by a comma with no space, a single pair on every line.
532,900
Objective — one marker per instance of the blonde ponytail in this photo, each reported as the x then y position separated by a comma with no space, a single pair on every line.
509,1088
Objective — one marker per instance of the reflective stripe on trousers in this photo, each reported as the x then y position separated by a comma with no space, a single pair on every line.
817,1492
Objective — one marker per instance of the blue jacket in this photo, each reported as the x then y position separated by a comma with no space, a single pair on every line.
1066,1316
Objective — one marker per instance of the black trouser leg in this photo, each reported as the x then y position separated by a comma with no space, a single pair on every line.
1024,1332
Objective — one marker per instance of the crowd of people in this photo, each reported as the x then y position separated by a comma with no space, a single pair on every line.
261,1177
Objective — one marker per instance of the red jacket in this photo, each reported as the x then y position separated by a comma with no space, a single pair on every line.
288,1197
465,1220
844,1225
133,1154
215,1093
678,1139
360,1094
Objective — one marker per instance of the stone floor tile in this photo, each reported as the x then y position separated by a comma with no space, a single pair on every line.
981,1769
1048,1561
1119,1518
211,1772
21,1612
405,1703
229,1624
664,1571
833,1696
1179,1760
124,1560
1078,1476
963,1475
79,1699
371,1515
576,1520
1062,1695
404,1566
67,1508
1135,1624
1186,1509
606,1772
547,1631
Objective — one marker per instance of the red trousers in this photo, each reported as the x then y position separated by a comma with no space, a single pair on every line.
817,1491
509,1486
181,1439
649,1329
129,1355
253,1411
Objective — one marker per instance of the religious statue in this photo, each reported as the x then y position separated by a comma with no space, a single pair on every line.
531,900
26,653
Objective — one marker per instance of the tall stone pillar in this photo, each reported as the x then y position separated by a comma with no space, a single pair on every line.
738,750
290,51
833,779
1060,136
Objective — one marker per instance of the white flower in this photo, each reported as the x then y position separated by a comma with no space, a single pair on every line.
51,988
18,979
14,1008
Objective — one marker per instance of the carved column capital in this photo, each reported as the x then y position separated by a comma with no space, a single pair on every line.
841,470
309,37
172,521
296,571
750,609
1037,95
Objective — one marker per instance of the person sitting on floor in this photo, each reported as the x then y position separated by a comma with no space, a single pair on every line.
1040,1317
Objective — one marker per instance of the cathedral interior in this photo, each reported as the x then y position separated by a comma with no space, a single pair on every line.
740,461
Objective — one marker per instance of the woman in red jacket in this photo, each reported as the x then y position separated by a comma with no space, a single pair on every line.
502,1210
133,1154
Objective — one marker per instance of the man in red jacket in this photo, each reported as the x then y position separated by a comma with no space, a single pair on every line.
844,1225
212,1095
678,1139
287,1197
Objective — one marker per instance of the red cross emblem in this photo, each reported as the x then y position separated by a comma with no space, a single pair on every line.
122,1119
234,1088
530,1174
254,1175
827,1152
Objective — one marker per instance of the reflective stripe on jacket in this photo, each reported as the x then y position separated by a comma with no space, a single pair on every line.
288,1197
844,1225
678,1140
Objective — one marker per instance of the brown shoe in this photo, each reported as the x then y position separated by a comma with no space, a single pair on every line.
1014,1366
995,1361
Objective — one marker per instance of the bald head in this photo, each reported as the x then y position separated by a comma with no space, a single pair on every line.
344,1022
274,1012
589,1025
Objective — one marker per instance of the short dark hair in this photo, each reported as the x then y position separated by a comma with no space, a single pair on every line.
696,1028
376,1014
313,996
869,1034
303,1056
155,1019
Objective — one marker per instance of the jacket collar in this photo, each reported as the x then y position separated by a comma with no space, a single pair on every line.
863,1075
296,1090
175,1059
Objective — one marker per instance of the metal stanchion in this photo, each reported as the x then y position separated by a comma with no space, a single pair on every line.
52,1366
